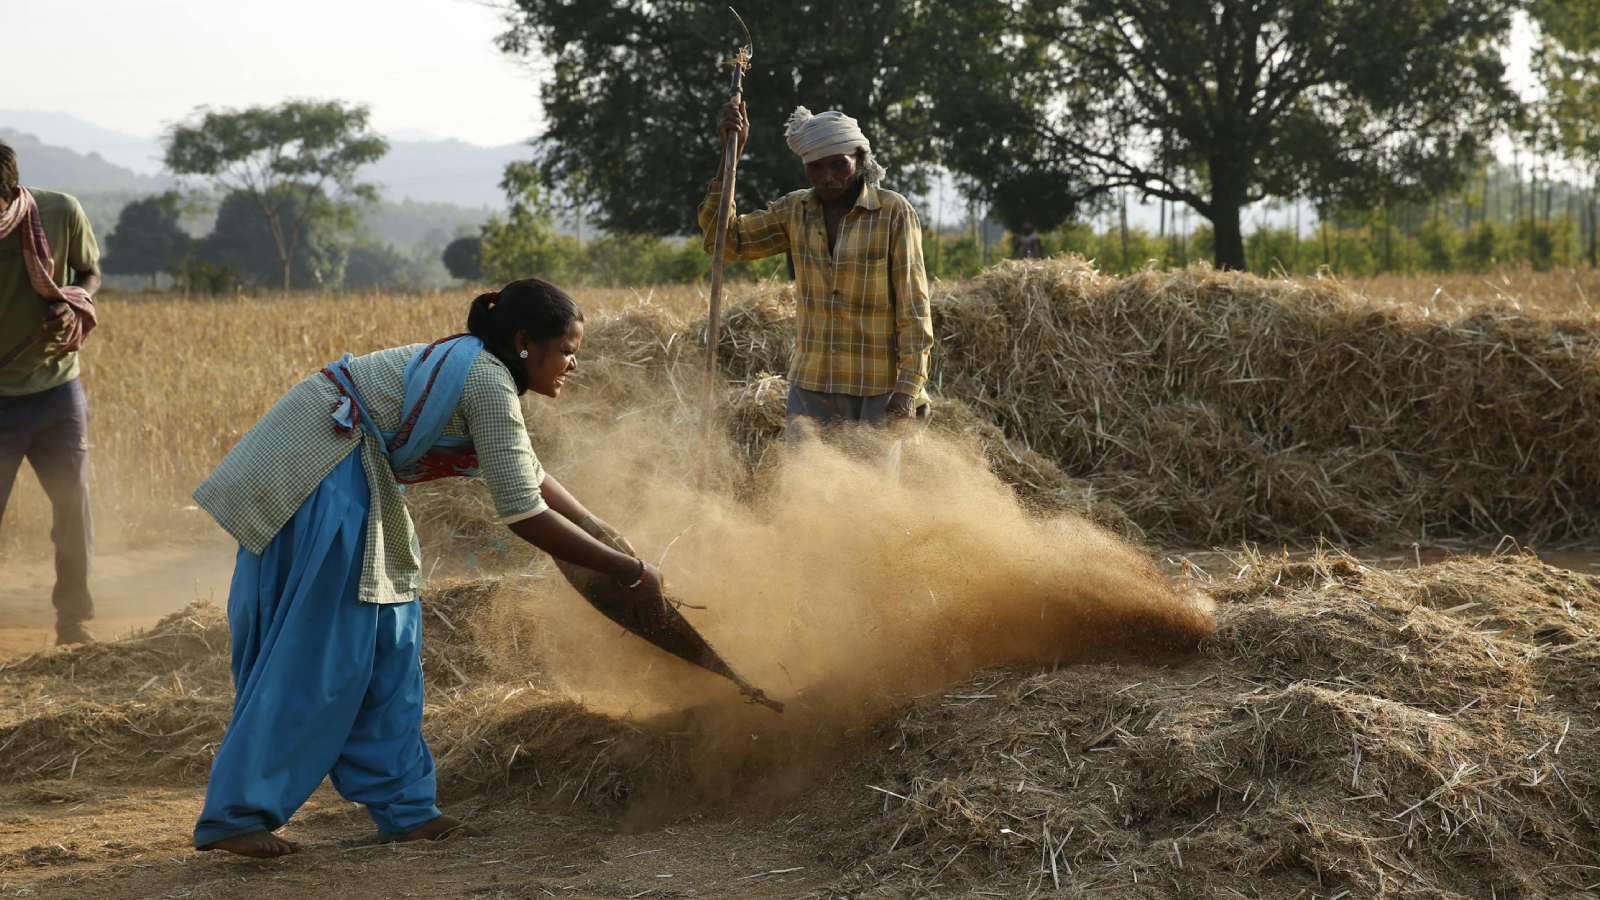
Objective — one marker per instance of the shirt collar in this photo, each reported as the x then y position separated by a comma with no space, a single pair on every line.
867,199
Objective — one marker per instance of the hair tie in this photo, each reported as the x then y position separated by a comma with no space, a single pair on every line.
494,297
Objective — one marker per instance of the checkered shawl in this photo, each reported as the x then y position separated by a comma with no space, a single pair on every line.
24,213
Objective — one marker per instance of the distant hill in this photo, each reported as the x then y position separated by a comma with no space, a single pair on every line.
427,171
60,169
448,171
104,188
430,188
141,155
410,222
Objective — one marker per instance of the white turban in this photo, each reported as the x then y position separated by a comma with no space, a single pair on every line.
830,134
819,136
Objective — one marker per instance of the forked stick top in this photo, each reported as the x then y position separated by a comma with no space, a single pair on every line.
749,45
747,51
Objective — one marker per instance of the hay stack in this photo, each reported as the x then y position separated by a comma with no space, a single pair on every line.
157,701
1348,730
757,336
467,632
1213,406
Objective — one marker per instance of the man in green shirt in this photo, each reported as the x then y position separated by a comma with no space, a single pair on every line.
47,254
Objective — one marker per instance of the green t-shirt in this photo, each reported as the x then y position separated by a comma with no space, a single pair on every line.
72,245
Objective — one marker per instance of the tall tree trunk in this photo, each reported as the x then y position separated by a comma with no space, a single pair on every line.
1483,206
1297,235
1226,216
1594,231
1228,190
1388,242
1549,195
1124,226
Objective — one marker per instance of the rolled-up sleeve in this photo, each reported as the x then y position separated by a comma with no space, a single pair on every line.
756,235
494,420
913,320
81,250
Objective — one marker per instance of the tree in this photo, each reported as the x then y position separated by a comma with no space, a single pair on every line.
1220,103
1568,60
637,92
374,264
461,258
297,161
524,244
242,244
148,239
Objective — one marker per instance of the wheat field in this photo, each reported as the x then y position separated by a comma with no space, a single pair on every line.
173,383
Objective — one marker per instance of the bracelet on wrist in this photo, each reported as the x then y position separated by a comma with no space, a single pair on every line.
643,568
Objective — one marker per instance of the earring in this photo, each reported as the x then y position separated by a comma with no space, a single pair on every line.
523,354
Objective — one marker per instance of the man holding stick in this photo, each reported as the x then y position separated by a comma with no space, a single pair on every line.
864,329
48,271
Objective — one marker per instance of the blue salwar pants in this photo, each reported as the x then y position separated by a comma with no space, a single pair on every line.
325,685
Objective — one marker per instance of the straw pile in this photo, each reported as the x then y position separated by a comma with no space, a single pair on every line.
156,702
1212,406
1429,733
159,701
1421,733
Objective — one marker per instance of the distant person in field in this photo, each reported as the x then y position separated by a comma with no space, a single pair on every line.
1028,243
324,610
862,294
49,272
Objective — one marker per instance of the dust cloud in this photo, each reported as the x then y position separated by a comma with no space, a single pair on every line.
835,588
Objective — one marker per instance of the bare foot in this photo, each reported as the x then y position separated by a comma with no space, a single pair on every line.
257,844
70,633
442,828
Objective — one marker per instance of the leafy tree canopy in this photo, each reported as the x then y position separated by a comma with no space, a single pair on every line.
148,238
373,264
638,89
296,161
1219,103
1568,60
524,244
461,258
1040,106
242,243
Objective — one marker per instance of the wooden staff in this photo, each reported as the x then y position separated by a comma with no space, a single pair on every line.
730,166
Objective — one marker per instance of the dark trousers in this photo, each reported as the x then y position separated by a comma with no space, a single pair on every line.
818,410
51,429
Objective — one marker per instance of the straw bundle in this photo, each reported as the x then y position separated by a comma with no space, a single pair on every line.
161,700
1212,406
1347,730
153,702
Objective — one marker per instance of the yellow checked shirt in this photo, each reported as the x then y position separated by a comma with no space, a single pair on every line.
862,319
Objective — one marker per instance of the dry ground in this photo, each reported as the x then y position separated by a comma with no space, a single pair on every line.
1426,733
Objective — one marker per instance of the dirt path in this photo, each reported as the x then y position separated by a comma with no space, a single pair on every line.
132,588
67,839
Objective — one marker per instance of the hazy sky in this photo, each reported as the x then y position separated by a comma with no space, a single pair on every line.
137,65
